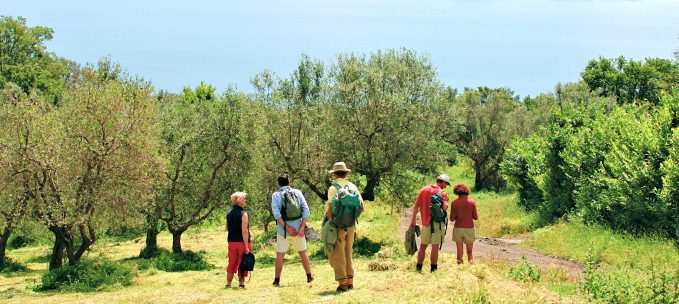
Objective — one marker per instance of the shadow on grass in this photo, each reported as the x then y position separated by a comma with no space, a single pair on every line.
45,258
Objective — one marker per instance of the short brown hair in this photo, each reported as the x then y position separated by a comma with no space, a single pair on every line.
461,189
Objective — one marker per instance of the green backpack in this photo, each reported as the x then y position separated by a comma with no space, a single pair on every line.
438,214
291,209
346,207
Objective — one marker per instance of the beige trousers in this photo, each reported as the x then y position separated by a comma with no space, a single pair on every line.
340,259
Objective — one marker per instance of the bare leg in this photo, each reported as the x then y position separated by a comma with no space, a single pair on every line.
229,278
305,261
434,254
421,253
470,256
280,256
460,251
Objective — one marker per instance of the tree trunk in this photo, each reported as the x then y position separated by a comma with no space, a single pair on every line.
177,241
57,258
152,231
3,245
369,191
152,237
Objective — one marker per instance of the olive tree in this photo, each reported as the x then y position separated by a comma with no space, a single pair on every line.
383,120
92,158
205,147
296,124
18,116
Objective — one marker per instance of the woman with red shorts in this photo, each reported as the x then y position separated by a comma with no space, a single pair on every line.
238,237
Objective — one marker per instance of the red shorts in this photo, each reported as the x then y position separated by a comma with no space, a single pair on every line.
236,251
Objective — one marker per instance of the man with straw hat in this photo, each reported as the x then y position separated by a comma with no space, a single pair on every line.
345,204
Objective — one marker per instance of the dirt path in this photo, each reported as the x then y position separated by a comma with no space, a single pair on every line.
487,248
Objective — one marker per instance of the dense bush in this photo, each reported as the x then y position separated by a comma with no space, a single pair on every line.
164,260
525,271
660,286
10,266
19,241
364,246
88,275
524,166
617,166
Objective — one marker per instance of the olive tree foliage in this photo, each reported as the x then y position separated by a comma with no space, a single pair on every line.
90,159
383,121
489,121
25,61
19,114
629,80
205,145
296,124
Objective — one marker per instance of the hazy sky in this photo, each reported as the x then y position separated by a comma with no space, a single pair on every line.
527,46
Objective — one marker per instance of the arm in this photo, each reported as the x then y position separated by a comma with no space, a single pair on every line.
331,193
445,201
306,213
475,214
276,203
244,229
413,221
452,212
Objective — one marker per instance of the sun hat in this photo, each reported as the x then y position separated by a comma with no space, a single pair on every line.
444,178
339,167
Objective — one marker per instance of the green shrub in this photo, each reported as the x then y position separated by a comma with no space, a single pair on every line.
525,271
364,246
152,252
185,261
162,259
658,286
19,241
318,254
10,267
86,276
524,166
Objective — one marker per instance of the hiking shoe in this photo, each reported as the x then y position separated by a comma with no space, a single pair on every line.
277,282
342,288
309,278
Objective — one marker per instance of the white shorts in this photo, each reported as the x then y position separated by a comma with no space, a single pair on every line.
298,243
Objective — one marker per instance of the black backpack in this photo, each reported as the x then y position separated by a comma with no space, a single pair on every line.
247,263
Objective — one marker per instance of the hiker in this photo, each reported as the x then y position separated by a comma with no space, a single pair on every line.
463,213
238,237
345,204
431,227
291,212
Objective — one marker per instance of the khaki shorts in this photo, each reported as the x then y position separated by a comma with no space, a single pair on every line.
298,243
428,237
464,235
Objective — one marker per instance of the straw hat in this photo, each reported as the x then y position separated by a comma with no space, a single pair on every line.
339,167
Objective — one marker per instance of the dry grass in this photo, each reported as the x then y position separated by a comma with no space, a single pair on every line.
398,283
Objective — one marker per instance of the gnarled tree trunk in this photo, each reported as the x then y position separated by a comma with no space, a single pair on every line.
3,245
58,249
177,241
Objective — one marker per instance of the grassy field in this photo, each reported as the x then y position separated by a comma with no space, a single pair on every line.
387,276
384,273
